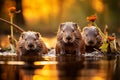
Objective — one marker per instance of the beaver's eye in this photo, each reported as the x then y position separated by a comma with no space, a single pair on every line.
63,31
35,39
73,30
86,34
96,35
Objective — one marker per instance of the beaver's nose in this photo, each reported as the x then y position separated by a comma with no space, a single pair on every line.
68,38
30,45
91,42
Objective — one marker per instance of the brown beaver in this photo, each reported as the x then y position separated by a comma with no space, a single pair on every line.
30,42
92,38
69,39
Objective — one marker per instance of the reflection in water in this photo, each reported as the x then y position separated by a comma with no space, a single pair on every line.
46,73
98,70
8,72
69,67
116,75
15,63
45,62
62,67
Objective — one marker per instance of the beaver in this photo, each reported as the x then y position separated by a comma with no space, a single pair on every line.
92,38
30,42
69,39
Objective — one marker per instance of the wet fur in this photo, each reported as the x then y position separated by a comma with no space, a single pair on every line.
91,34
31,38
74,46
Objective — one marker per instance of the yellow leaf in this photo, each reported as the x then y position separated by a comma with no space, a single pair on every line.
104,47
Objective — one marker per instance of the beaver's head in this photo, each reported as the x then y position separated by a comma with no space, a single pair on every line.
30,40
91,36
68,32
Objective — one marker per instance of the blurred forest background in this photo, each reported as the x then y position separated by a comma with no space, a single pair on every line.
45,16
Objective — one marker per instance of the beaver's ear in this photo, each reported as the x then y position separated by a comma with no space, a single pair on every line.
61,25
75,25
22,35
37,34
85,28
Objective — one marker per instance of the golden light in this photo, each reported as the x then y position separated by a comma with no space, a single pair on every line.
46,73
98,5
97,78
2,62
7,4
50,42
45,62
16,63
4,42
35,10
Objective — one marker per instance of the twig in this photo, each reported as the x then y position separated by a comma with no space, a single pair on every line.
14,25
100,31
98,51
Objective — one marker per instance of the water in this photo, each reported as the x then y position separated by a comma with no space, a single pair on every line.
62,67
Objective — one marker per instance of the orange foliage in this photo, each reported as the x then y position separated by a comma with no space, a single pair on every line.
12,10
92,18
111,38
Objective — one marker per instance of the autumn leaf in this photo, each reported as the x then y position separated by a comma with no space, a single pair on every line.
12,10
111,38
104,47
109,42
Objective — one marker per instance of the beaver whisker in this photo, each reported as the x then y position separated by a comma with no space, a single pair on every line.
77,43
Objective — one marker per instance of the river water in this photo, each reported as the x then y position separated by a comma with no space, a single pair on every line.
62,67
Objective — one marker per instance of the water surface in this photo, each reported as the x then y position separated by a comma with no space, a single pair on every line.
62,67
